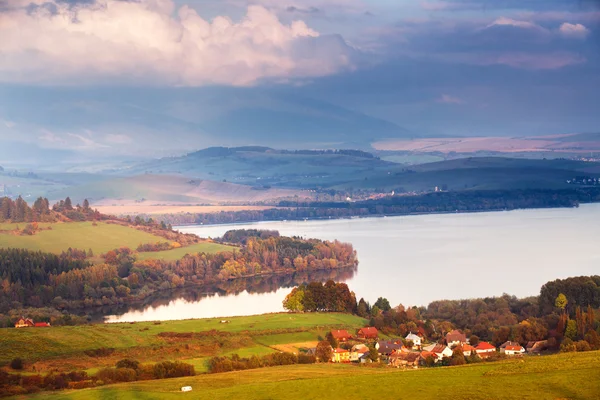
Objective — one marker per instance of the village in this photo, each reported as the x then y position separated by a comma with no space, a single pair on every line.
413,351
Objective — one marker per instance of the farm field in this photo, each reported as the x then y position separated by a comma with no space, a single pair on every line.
69,348
100,238
562,376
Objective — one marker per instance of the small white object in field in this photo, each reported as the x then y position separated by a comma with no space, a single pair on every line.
186,389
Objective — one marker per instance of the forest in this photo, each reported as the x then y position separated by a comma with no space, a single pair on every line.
36,279
439,202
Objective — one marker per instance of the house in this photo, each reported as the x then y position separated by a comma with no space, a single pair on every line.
536,347
512,349
357,352
485,349
340,356
401,359
365,358
425,354
368,333
415,339
42,325
24,323
439,350
454,338
467,349
387,347
341,335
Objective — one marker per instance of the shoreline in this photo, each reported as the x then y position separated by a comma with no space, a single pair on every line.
376,216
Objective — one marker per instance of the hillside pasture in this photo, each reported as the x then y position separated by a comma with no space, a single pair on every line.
72,347
100,238
563,376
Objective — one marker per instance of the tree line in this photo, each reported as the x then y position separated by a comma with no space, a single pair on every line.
36,279
440,202
568,322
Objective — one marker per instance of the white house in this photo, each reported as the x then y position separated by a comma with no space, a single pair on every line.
357,352
439,350
415,339
512,349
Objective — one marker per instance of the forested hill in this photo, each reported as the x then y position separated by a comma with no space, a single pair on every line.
68,281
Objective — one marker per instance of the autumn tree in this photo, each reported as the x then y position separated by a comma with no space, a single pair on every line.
571,330
324,352
294,300
561,301
332,340
383,304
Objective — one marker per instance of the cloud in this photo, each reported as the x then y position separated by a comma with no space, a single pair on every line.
503,21
151,41
117,139
448,99
573,30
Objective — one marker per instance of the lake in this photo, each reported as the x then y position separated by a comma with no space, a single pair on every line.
413,260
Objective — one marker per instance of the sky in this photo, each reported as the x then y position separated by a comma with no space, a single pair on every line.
164,76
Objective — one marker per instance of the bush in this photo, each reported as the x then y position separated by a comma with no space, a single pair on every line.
16,363
113,375
127,363
567,346
582,345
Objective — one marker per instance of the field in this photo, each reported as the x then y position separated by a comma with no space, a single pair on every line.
133,208
563,376
64,348
100,238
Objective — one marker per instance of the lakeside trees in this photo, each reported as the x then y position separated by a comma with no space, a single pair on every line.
318,297
34,279
439,202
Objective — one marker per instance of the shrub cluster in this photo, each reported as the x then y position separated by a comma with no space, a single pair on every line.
236,363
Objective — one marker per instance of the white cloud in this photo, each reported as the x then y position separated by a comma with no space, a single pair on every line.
117,139
143,41
503,21
448,99
573,30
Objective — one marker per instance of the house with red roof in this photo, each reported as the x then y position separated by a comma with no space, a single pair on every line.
341,335
467,349
24,323
512,349
340,356
358,351
485,349
368,333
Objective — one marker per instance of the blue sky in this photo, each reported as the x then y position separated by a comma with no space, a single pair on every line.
448,67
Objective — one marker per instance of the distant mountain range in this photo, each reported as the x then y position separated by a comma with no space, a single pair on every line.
165,121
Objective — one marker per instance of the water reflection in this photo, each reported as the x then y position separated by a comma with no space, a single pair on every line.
247,296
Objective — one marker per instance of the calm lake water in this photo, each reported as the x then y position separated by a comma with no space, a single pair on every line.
416,259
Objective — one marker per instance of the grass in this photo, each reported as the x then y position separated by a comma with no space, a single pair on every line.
563,376
176,254
100,238
81,235
64,347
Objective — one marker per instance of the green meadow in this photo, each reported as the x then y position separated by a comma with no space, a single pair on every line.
243,335
101,238
562,376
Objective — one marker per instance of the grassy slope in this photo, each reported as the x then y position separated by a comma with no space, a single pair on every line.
100,238
176,254
71,341
573,376
81,235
